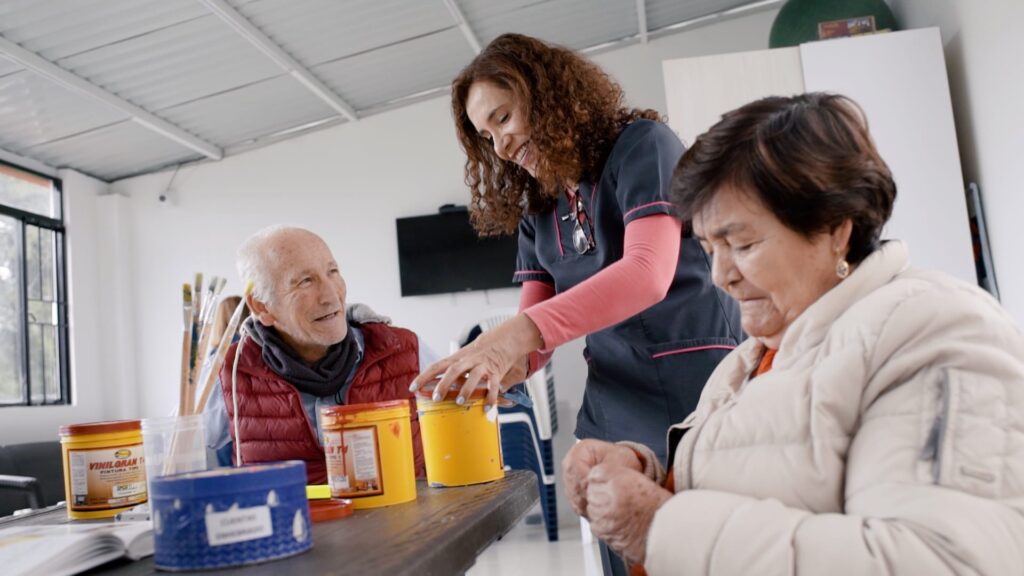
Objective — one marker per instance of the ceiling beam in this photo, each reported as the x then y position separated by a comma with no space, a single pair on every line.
257,38
25,162
460,20
641,18
741,10
51,71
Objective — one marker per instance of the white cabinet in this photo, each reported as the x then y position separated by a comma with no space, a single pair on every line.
899,79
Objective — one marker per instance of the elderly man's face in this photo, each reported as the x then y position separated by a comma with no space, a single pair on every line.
307,306
773,272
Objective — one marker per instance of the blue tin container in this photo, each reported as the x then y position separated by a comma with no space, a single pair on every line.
230,516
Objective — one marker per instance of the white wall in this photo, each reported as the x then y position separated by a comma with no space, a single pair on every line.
348,184
91,393
983,46
114,242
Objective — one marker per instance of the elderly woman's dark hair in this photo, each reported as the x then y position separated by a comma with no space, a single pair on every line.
575,113
808,158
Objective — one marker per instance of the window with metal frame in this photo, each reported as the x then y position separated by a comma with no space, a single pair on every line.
34,367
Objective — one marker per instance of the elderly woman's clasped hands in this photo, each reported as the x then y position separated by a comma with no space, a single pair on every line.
606,484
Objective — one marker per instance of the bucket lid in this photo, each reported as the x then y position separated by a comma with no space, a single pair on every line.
426,392
331,509
252,478
367,407
100,427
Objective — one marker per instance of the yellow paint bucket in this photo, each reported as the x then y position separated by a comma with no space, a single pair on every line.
369,453
460,445
104,468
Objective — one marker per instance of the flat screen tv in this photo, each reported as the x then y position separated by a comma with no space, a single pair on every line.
441,253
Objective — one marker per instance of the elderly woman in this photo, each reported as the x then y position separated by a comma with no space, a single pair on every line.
874,421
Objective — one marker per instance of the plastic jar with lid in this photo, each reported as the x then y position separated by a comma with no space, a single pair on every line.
104,468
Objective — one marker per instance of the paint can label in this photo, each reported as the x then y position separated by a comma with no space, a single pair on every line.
353,462
107,478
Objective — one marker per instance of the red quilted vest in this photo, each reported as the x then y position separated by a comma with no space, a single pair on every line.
272,422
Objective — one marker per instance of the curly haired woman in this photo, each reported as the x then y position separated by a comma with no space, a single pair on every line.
552,150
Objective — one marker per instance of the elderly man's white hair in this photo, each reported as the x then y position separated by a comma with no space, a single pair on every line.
253,258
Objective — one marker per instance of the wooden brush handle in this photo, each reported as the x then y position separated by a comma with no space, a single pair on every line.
184,407
197,369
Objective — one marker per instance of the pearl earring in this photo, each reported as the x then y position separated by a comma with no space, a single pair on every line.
842,268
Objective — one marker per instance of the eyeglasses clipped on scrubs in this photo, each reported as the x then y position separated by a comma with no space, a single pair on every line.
581,240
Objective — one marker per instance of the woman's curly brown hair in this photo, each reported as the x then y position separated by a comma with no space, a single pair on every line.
574,111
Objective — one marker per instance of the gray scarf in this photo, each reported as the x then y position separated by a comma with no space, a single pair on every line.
325,377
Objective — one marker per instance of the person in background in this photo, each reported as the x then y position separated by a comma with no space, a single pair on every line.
305,348
553,151
874,421
222,315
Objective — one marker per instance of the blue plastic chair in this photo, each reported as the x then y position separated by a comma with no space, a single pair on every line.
522,448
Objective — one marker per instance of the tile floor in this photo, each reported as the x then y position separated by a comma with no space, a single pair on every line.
525,551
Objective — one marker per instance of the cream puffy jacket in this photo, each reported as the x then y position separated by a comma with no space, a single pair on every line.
888,438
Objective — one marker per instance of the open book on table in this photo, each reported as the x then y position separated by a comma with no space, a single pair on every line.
71,548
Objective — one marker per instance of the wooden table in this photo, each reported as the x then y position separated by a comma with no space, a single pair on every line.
441,533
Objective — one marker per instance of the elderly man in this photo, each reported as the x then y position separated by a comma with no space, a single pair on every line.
301,352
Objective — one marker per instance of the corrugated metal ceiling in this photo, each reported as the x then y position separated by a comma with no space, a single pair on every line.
574,23
186,63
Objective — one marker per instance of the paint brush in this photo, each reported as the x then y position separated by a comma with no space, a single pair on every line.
213,297
222,347
197,367
215,289
204,329
184,407
220,284
208,300
197,291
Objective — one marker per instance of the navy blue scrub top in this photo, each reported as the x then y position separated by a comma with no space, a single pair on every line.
646,372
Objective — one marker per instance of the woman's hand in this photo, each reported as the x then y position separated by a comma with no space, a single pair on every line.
621,504
498,359
583,457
